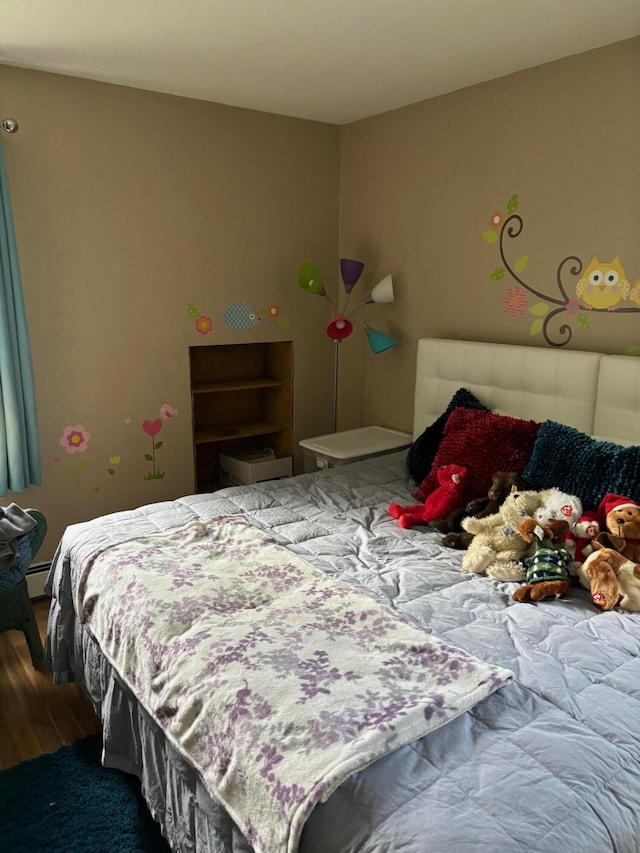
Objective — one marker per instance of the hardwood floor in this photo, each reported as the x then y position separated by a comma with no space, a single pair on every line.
35,715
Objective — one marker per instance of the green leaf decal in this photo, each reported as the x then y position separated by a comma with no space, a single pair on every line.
148,457
521,263
536,327
512,204
111,471
498,273
539,309
82,466
489,236
193,310
159,444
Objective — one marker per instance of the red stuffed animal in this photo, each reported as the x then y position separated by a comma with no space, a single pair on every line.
448,496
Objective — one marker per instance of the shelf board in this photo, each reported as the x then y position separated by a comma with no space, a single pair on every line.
229,432
235,385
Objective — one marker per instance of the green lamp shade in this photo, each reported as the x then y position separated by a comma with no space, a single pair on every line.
309,279
378,341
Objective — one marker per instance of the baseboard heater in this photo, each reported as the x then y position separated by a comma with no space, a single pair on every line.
36,578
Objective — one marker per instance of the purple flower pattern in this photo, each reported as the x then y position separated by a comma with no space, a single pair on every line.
275,680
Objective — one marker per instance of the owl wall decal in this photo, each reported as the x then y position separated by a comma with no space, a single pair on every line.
603,285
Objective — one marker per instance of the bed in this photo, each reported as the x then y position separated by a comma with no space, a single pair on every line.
544,758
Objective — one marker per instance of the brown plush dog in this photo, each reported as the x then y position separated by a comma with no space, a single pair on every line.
611,578
501,485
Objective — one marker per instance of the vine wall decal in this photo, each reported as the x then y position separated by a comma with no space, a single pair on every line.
601,288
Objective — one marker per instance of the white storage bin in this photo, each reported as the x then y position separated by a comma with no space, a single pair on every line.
244,469
353,445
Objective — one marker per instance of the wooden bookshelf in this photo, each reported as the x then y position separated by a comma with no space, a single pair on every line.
241,399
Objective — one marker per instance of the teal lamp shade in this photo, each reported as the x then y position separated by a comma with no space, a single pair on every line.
378,341
309,279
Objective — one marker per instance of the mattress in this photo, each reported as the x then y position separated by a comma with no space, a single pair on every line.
548,762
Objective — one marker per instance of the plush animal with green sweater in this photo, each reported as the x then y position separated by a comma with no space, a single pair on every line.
547,569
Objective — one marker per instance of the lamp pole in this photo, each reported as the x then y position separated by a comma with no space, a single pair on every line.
336,350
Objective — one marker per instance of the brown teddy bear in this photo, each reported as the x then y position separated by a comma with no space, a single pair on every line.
501,484
619,519
611,578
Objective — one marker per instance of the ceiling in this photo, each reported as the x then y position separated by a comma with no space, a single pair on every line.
334,61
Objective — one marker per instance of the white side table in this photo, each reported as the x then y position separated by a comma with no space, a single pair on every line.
352,445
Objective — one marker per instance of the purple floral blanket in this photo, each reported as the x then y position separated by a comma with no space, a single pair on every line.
274,680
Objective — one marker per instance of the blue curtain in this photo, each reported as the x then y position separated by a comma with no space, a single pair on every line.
19,451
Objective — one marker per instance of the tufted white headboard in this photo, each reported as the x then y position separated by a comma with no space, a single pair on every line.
595,393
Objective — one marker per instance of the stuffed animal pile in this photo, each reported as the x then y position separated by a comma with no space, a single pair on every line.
540,537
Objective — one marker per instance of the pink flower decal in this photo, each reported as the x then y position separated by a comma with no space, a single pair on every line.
75,439
572,307
152,428
515,301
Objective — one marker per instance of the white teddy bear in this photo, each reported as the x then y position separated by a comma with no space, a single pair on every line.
559,505
497,546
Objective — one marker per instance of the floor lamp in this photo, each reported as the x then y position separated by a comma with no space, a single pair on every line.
340,324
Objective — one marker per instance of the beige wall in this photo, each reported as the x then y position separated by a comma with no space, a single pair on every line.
128,205
419,185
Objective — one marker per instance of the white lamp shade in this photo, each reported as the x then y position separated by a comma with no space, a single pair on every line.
383,291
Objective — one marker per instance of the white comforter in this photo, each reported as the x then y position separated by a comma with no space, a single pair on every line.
549,763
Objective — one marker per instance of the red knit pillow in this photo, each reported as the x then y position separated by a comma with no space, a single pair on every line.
483,442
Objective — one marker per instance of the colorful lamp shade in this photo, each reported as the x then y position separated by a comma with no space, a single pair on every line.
379,341
309,279
339,327
350,271
340,324
382,292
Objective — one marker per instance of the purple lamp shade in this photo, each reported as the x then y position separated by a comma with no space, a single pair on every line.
350,271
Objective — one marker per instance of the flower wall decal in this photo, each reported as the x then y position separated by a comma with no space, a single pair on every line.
152,428
602,288
203,324
75,439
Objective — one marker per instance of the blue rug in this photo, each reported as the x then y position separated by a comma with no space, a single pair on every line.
67,802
